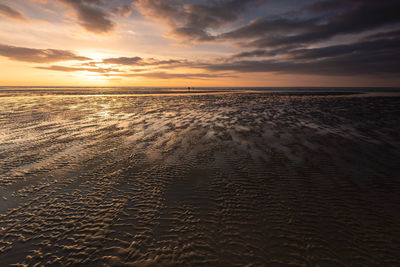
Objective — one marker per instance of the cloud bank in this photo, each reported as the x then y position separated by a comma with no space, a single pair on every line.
315,37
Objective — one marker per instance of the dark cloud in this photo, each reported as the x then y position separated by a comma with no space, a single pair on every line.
385,34
330,67
339,18
266,27
262,53
91,15
304,25
389,46
38,55
194,21
375,43
291,42
327,5
11,13
97,15
377,57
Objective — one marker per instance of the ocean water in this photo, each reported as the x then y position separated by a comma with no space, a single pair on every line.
11,90
207,176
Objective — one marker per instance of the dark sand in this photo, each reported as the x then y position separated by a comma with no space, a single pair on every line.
257,179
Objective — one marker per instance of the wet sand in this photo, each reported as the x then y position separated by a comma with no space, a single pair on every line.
216,179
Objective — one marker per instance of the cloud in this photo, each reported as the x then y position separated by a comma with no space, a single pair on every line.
167,75
73,69
96,16
113,72
124,61
11,13
91,15
375,58
267,27
38,55
138,61
261,53
194,21
330,67
324,20
122,11
304,25
291,42
385,34
372,47
373,55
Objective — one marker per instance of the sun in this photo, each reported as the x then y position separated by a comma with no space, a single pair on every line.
93,78
94,56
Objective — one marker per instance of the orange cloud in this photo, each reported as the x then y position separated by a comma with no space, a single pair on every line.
38,55
11,13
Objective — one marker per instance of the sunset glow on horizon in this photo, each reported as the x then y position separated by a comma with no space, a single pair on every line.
198,43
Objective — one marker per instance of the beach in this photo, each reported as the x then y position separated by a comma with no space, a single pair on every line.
214,178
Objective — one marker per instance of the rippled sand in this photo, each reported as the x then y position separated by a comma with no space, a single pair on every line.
210,179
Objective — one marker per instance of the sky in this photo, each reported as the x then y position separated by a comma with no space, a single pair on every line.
199,43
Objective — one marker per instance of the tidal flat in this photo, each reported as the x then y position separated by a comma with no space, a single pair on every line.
199,178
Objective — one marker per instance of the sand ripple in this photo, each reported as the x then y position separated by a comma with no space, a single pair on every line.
224,179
